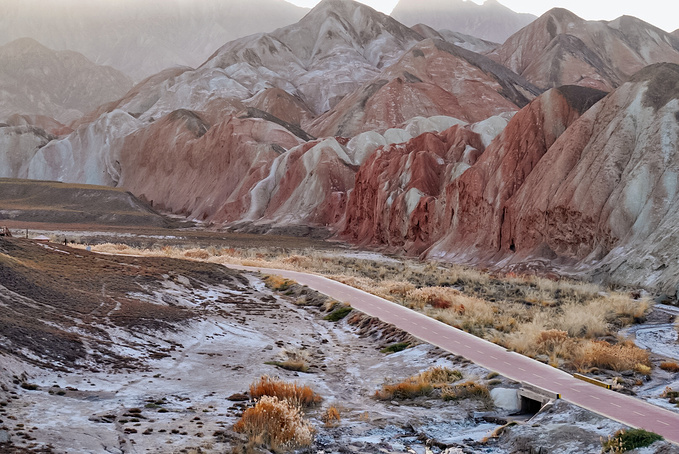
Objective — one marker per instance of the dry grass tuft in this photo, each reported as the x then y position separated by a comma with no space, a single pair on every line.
298,395
422,384
620,357
293,359
278,283
468,389
331,417
196,253
275,424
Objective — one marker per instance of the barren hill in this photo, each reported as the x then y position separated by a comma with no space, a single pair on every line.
560,48
490,21
30,201
60,84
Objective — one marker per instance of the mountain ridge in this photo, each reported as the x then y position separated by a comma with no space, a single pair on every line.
490,21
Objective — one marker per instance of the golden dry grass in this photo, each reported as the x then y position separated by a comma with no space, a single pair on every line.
466,390
275,424
299,395
422,384
331,417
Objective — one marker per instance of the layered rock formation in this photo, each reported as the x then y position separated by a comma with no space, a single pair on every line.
141,38
420,83
560,48
574,182
18,146
62,85
50,125
353,122
475,215
608,186
490,21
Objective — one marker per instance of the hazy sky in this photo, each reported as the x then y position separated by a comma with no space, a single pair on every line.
661,13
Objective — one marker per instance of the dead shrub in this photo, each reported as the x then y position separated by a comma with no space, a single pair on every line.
278,283
437,297
589,321
466,390
299,395
441,375
292,359
422,384
408,389
298,261
275,424
669,366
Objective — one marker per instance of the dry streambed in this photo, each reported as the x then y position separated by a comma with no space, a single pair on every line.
181,385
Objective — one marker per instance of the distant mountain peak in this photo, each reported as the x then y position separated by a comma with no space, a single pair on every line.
491,21
561,48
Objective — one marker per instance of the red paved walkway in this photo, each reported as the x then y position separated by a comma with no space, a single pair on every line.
627,410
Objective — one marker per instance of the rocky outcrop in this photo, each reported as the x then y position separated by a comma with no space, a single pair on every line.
420,84
490,21
561,48
475,215
608,187
62,85
398,199
18,146
141,38
90,155
50,125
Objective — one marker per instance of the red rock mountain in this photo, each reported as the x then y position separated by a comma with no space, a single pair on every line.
560,48
448,190
490,21
583,189
318,124
420,83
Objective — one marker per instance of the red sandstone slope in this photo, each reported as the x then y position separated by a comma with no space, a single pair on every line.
420,83
242,169
446,189
240,154
395,201
560,48
475,210
608,187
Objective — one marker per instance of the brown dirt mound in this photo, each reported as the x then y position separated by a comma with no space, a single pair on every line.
55,202
56,302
